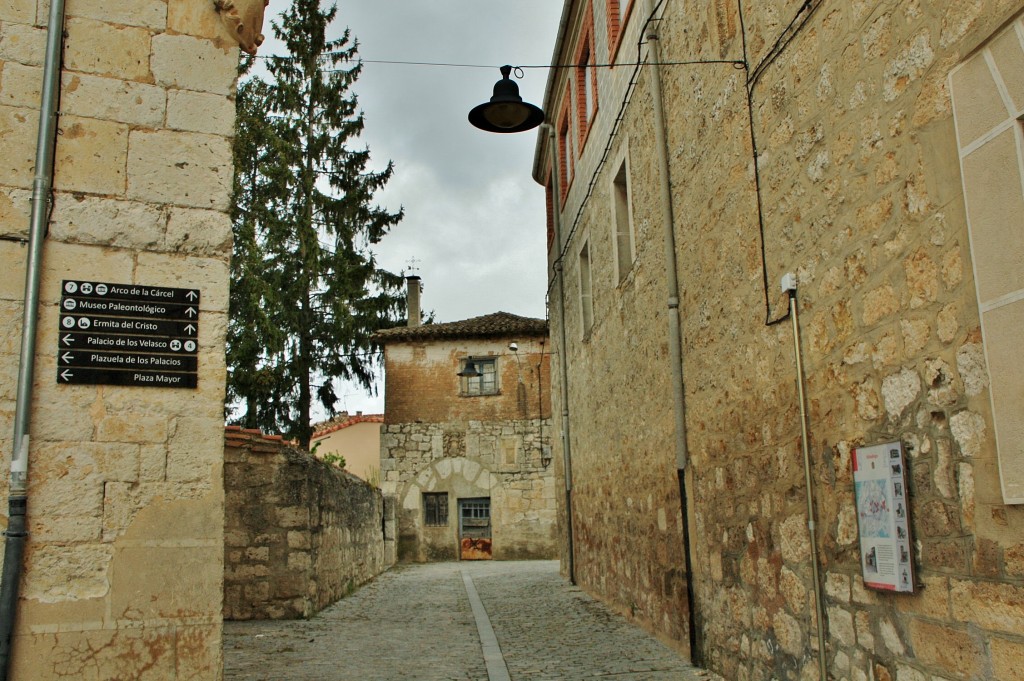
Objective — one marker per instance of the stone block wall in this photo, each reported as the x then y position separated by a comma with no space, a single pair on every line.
123,569
299,533
861,197
500,460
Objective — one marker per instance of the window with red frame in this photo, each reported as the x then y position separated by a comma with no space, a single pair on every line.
618,12
566,148
586,78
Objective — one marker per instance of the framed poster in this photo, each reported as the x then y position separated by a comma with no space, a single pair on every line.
883,517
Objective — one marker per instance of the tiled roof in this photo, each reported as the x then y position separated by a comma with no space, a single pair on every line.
344,420
496,325
236,436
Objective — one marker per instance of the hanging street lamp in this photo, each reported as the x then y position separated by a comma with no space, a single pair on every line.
506,111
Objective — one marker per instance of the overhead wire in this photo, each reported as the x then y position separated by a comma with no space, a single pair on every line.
520,67
754,75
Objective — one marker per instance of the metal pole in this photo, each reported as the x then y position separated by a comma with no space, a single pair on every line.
674,331
14,545
805,446
563,360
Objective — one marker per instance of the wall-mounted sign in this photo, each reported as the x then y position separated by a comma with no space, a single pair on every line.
128,334
883,517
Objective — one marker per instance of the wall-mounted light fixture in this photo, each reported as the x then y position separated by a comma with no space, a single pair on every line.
506,111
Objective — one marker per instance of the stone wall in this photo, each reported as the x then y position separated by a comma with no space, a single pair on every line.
436,439
299,533
123,569
861,197
499,460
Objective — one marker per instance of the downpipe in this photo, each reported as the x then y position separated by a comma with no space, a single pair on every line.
806,448
674,332
563,363
16,534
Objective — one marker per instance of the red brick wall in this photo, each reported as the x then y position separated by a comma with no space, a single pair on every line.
421,384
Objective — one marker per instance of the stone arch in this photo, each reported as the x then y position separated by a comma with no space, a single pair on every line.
460,478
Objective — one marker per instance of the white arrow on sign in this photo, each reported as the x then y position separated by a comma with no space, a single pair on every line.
66,375
68,339
191,312
191,295
190,329
67,357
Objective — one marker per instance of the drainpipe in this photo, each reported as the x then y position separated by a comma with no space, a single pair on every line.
789,283
16,534
674,333
563,389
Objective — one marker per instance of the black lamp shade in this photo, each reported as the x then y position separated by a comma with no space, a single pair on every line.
469,371
506,111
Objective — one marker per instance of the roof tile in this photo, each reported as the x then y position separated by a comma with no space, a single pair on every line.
498,324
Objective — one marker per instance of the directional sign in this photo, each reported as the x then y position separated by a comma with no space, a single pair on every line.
77,340
128,334
126,360
115,325
109,377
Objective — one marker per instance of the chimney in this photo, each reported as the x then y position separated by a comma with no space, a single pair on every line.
413,299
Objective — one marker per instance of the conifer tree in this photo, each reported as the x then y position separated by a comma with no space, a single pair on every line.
305,277
253,335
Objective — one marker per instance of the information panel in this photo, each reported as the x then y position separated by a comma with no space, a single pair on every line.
128,334
883,517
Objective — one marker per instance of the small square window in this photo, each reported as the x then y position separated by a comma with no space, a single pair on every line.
435,509
486,380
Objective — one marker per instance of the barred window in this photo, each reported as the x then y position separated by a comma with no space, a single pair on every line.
435,508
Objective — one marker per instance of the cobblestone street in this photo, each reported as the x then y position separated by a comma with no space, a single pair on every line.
483,621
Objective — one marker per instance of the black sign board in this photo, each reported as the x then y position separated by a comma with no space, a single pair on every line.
128,334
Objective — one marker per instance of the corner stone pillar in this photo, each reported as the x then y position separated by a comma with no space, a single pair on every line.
123,570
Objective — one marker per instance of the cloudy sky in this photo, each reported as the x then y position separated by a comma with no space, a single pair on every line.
474,217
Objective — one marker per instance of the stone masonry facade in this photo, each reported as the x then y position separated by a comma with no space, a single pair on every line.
439,437
500,460
299,533
851,113
123,569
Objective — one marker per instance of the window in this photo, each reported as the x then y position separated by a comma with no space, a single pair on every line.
564,152
618,14
486,383
586,88
622,220
435,509
586,292
586,79
990,136
549,206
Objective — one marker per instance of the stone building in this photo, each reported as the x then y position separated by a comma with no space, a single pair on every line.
873,150
123,567
467,458
355,437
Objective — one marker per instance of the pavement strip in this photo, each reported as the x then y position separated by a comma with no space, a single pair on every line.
495,661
